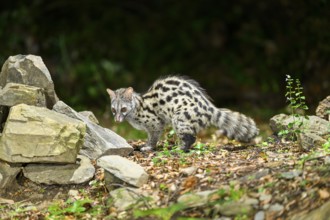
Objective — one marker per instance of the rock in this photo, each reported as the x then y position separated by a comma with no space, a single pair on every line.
265,198
80,172
197,199
36,134
8,173
90,115
250,201
124,169
85,171
188,170
323,109
111,181
125,198
314,129
291,174
255,175
234,208
29,70
13,94
276,207
327,160
259,215
321,213
98,141
74,194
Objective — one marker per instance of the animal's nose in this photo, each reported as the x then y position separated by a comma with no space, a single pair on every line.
118,118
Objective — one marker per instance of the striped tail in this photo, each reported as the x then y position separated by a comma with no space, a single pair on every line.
235,125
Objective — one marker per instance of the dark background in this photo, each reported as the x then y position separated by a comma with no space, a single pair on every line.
240,51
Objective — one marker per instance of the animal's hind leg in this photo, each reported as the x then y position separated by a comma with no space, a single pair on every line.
186,133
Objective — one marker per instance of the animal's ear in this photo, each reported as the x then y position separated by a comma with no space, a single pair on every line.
128,93
111,93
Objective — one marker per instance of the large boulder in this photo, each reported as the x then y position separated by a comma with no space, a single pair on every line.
314,130
124,169
29,70
98,141
79,172
14,93
36,134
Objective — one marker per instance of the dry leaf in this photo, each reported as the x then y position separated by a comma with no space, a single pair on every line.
190,182
324,194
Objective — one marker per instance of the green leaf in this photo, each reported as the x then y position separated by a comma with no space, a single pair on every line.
161,213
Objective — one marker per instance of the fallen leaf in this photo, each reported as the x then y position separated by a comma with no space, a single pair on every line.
190,182
324,194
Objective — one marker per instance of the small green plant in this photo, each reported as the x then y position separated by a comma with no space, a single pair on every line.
75,208
242,217
163,187
160,213
269,141
229,195
326,146
199,148
294,95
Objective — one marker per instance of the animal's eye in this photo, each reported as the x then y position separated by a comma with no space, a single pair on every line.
123,109
113,110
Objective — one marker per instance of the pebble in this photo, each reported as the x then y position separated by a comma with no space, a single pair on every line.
259,215
276,207
291,174
189,170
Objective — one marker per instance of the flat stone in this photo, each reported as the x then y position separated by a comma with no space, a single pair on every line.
196,199
188,170
124,169
313,124
38,135
80,172
8,173
276,207
291,174
259,215
14,93
234,208
256,175
98,141
125,198
314,130
29,70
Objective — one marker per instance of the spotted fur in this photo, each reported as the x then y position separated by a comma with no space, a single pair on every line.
182,103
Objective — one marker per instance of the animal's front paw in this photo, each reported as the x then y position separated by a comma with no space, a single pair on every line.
146,149
185,149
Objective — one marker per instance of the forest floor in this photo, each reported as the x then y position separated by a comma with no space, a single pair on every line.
276,178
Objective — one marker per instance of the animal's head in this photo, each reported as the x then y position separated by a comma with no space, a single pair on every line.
121,102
